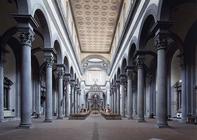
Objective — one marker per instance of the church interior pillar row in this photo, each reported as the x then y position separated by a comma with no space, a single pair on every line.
140,88
118,97
129,93
1,89
122,92
49,58
60,72
26,36
161,43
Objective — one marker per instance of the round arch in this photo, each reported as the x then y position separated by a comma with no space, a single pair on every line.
145,30
66,63
58,50
71,72
41,18
118,72
131,52
123,66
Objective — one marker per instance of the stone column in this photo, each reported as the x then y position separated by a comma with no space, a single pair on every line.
122,92
130,92
73,102
77,101
38,97
25,29
115,99
140,88
49,86
1,89
26,37
161,95
68,100
118,96
111,102
67,94
60,72
71,98
108,95
112,98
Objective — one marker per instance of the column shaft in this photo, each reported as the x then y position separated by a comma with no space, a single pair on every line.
140,96
115,100
49,89
123,99
26,79
38,99
118,99
77,101
60,95
26,87
1,90
130,98
112,101
71,102
161,96
67,94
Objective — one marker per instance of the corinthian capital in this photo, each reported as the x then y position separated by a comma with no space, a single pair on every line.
49,56
161,40
140,61
161,30
26,38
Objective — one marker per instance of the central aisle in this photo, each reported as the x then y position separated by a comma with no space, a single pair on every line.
95,116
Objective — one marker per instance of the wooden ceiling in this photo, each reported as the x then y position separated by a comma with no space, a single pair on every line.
96,22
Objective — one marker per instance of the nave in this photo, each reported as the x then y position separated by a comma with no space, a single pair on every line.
67,65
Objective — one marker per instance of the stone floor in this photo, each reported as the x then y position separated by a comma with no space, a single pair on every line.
97,128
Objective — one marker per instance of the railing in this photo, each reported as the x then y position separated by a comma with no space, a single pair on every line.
79,116
110,116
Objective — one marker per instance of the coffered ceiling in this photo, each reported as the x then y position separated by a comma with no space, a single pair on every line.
96,23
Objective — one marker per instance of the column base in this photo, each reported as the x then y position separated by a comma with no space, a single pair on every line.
48,120
162,126
141,120
60,118
130,117
25,126
151,116
38,116
1,121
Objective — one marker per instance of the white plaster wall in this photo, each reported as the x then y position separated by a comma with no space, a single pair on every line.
175,76
147,100
82,96
92,76
10,73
